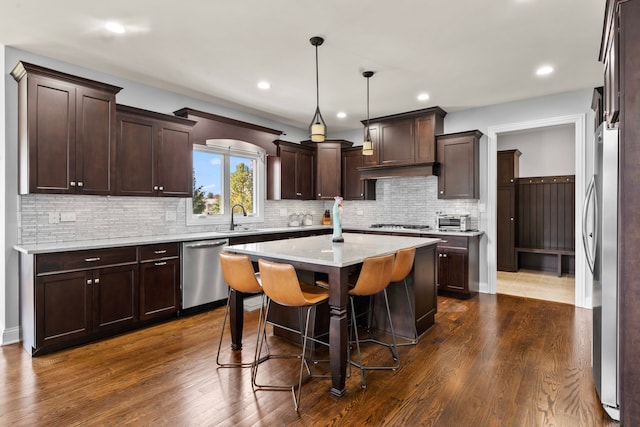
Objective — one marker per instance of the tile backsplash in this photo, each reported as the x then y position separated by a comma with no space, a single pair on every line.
398,200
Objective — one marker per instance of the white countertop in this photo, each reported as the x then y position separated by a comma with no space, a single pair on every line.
417,231
321,250
145,240
77,245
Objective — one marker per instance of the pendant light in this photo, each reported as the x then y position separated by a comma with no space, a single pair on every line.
317,128
367,145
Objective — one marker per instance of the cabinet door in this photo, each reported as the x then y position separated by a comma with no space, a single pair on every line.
51,136
95,142
329,167
458,159
304,175
288,178
174,162
135,156
352,185
159,288
425,140
115,293
505,217
396,142
63,305
457,270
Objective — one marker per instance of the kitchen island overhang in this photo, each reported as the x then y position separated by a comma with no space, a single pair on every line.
318,254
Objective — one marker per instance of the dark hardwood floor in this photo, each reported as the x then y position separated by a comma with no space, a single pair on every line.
489,361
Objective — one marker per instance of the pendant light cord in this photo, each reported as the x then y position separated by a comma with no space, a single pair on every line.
317,82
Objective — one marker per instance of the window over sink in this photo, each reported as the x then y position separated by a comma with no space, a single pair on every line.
225,173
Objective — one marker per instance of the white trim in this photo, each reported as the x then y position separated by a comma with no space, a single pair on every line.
10,336
235,148
578,122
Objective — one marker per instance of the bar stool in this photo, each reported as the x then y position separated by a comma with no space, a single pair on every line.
401,268
374,277
239,274
281,285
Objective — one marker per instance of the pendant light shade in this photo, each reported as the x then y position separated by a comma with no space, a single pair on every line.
317,128
367,145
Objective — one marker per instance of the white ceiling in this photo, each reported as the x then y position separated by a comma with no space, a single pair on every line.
464,53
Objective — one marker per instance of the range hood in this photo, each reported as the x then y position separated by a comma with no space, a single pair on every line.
399,170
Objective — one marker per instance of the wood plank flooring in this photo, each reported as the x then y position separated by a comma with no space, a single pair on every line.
489,361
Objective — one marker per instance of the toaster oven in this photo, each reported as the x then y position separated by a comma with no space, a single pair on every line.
450,222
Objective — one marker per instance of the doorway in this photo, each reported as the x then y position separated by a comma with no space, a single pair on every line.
582,295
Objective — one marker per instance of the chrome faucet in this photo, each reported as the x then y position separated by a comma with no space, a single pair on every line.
244,213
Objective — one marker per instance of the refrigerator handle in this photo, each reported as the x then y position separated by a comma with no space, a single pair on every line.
591,197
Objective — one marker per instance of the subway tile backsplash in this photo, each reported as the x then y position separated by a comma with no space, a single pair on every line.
398,200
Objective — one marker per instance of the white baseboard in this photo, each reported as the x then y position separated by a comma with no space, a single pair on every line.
10,336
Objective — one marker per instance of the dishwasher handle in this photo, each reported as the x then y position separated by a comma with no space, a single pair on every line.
207,244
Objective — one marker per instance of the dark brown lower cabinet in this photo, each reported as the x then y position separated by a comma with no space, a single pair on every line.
69,298
73,307
159,280
458,265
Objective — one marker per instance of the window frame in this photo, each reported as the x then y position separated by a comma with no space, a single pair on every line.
228,148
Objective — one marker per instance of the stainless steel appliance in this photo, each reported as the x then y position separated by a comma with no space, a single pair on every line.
202,281
600,239
451,222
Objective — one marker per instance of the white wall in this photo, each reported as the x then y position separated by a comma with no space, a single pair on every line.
545,151
545,107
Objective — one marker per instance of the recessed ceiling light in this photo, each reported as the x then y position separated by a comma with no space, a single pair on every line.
423,96
545,70
115,27
264,85
341,115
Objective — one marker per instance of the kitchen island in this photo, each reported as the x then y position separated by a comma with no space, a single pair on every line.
319,254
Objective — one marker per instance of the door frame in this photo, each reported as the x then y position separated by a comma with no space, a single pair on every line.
578,121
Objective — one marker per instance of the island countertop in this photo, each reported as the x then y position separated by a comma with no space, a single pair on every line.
321,250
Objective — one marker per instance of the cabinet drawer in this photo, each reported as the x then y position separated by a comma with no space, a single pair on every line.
160,250
81,260
448,241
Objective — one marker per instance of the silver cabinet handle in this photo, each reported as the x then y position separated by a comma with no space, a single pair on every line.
96,281
89,282
80,184
161,188
160,263
441,191
72,183
164,251
155,187
445,241
92,259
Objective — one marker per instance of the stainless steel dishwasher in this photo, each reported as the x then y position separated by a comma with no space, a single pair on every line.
202,281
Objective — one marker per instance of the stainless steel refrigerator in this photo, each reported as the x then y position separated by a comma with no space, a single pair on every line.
600,239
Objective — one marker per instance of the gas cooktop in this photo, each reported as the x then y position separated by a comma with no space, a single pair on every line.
401,226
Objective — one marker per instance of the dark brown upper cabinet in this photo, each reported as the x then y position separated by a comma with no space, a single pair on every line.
404,144
154,154
290,173
354,188
328,155
458,155
66,132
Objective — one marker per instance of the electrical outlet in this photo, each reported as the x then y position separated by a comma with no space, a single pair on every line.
67,216
54,217
283,211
